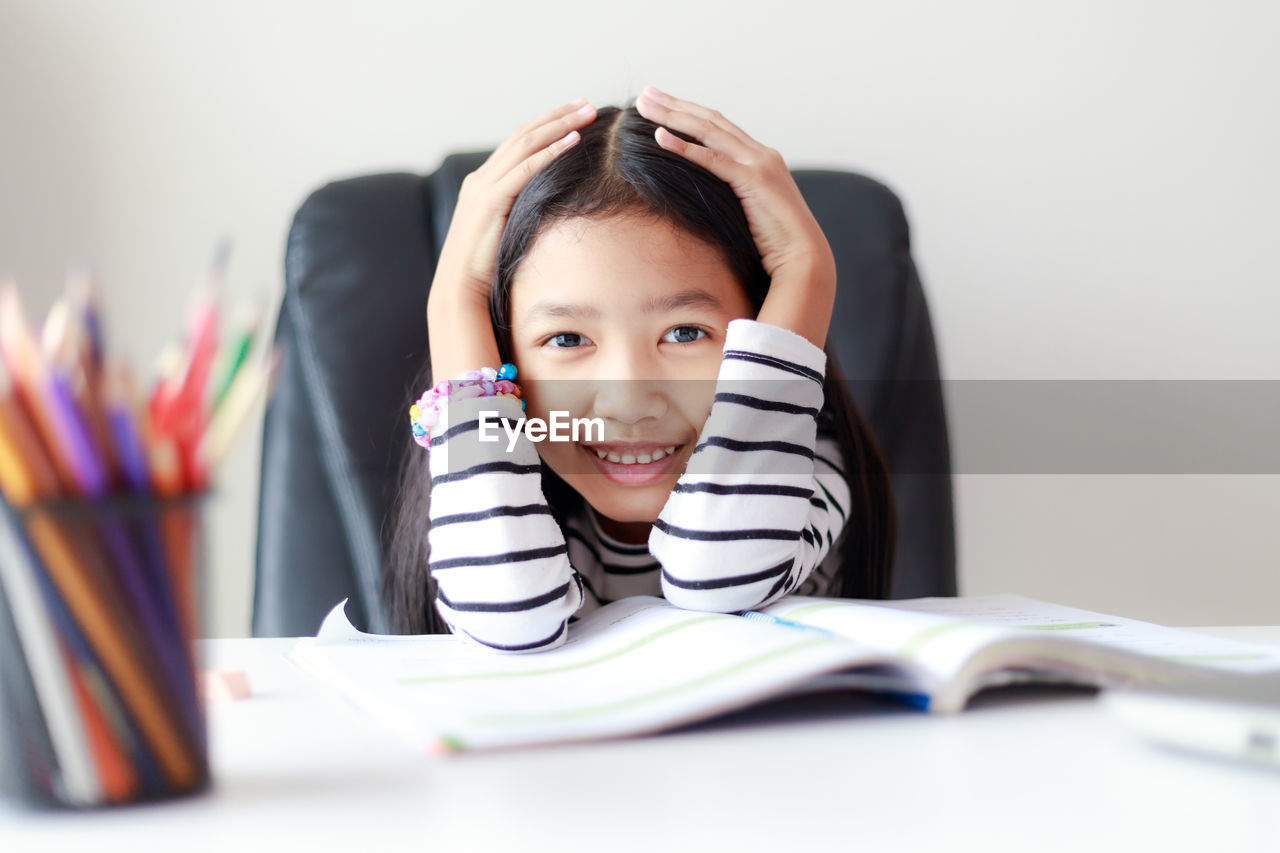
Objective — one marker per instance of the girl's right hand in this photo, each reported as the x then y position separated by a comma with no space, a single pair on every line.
470,248
459,330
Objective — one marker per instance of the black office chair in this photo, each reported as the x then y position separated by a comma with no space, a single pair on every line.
360,258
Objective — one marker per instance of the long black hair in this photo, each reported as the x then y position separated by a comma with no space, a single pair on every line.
618,168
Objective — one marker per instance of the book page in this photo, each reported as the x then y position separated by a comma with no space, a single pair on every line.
1145,638
939,645
946,636
634,666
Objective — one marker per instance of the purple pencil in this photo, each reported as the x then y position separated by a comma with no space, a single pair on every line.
91,475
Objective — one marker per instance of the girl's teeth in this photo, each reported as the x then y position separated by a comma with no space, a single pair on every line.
633,459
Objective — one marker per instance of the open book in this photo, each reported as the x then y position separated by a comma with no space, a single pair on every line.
642,665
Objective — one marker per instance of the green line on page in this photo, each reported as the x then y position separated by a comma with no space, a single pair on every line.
551,670
913,645
631,702
810,609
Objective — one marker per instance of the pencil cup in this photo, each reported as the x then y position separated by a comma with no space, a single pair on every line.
99,613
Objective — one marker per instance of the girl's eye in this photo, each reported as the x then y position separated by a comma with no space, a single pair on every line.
567,340
684,335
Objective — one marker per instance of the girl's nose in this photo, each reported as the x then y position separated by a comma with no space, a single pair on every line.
629,401
629,391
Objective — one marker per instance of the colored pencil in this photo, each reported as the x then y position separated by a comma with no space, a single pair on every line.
252,384
72,342
235,350
26,471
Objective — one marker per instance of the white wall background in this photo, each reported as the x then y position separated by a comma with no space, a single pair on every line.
1092,186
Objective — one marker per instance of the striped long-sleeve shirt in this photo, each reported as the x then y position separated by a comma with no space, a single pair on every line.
756,514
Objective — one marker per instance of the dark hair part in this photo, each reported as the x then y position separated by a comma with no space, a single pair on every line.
618,169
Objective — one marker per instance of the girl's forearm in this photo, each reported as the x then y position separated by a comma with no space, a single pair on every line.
460,335
801,300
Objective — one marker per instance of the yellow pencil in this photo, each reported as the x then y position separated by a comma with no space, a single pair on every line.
252,384
15,478
28,474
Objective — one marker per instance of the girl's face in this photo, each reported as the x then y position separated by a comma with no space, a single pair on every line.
622,319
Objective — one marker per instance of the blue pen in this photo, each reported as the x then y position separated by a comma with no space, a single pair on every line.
765,617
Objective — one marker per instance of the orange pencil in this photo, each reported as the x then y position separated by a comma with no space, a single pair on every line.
118,777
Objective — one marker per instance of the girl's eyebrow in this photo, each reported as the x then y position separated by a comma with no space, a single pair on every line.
694,297
546,308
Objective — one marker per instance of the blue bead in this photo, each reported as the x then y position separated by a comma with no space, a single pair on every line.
507,371
522,405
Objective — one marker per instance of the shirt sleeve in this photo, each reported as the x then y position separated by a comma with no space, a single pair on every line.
763,497
503,577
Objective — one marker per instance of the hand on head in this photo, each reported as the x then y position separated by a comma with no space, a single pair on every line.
793,248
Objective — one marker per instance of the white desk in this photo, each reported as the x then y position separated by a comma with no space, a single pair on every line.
1018,771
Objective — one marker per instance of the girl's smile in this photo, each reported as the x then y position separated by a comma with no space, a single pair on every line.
634,464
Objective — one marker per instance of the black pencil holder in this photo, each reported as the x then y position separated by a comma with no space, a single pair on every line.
99,612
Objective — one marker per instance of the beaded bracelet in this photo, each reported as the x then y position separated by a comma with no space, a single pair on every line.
485,382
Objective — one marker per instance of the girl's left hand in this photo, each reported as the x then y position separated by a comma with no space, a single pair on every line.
793,249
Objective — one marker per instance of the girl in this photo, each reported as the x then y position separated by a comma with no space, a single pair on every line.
656,269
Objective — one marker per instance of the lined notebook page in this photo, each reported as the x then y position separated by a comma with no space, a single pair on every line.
635,666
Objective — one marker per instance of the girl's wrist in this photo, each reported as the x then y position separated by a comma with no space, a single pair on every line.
426,413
